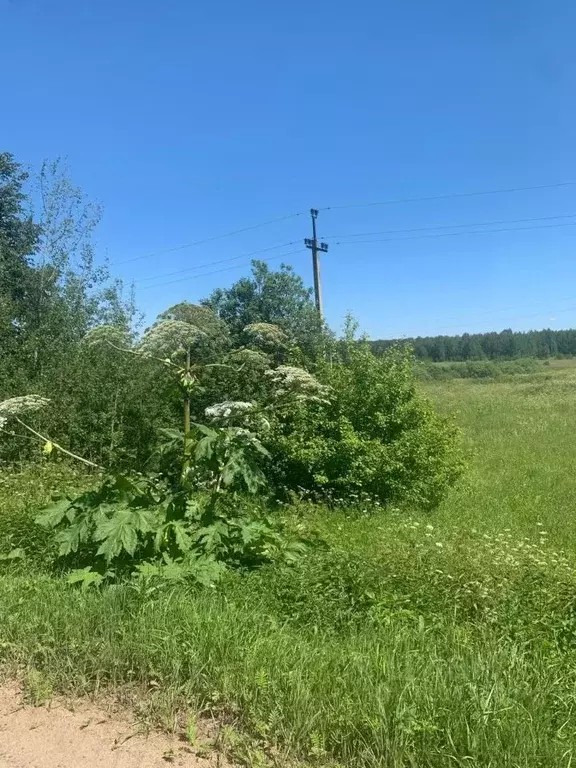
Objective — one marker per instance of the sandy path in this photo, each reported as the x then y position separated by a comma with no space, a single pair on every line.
85,737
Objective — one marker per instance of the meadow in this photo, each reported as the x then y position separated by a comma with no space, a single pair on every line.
409,640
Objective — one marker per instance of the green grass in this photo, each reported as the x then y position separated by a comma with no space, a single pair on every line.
398,697
416,641
521,439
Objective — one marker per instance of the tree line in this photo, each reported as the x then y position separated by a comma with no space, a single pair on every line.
503,345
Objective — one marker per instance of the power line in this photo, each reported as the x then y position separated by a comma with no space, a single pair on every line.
225,269
455,234
212,263
447,196
337,207
452,226
208,239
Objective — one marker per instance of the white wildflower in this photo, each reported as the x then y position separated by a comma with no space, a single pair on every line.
249,357
170,338
24,404
266,335
298,383
107,334
228,410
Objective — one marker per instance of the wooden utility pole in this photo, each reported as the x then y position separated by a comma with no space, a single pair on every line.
316,248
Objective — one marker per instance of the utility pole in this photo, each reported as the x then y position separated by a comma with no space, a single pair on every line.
316,248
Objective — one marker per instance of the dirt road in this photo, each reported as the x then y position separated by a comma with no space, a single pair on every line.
85,736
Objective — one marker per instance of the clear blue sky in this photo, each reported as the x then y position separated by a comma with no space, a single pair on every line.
189,119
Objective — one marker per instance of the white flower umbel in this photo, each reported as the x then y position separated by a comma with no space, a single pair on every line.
298,384
266,335
107,334
16,406
250,358
170,338
228,412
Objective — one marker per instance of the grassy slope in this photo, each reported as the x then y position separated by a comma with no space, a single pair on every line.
453,649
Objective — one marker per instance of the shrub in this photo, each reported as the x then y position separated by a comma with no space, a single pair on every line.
476,369
378,435
22,493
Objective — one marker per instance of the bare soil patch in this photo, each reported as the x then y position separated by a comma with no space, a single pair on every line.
82,734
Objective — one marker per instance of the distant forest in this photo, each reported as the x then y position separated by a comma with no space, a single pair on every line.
505,345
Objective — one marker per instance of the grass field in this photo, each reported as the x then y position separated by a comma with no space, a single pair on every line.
416,640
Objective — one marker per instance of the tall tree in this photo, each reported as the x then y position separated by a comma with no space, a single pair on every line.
19,238
276,297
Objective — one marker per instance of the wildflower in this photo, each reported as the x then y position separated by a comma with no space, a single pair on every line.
107,334
227,410
24,404
303,386
170,338
266,335
249,357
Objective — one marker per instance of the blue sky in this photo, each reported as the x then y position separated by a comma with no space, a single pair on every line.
188,120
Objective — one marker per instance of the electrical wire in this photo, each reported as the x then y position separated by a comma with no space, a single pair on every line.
337,207
451,226
450,196
225,269
208,239
212,263
455,234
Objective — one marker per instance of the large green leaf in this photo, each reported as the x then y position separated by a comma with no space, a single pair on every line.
205,447
53,514
120,532
86,577
70,538
208,431
183,540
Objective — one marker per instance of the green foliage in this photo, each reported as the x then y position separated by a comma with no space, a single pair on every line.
188,523
378,436
19,238
276,298
478,369
418,640
404,570
506,345
22,493
57,294
227,458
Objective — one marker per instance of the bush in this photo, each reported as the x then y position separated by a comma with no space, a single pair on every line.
22,493
477,369
377,436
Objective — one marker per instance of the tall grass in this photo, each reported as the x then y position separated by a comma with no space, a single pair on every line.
450,696
520,437
415,641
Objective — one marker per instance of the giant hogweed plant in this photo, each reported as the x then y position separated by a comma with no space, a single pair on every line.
198,515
